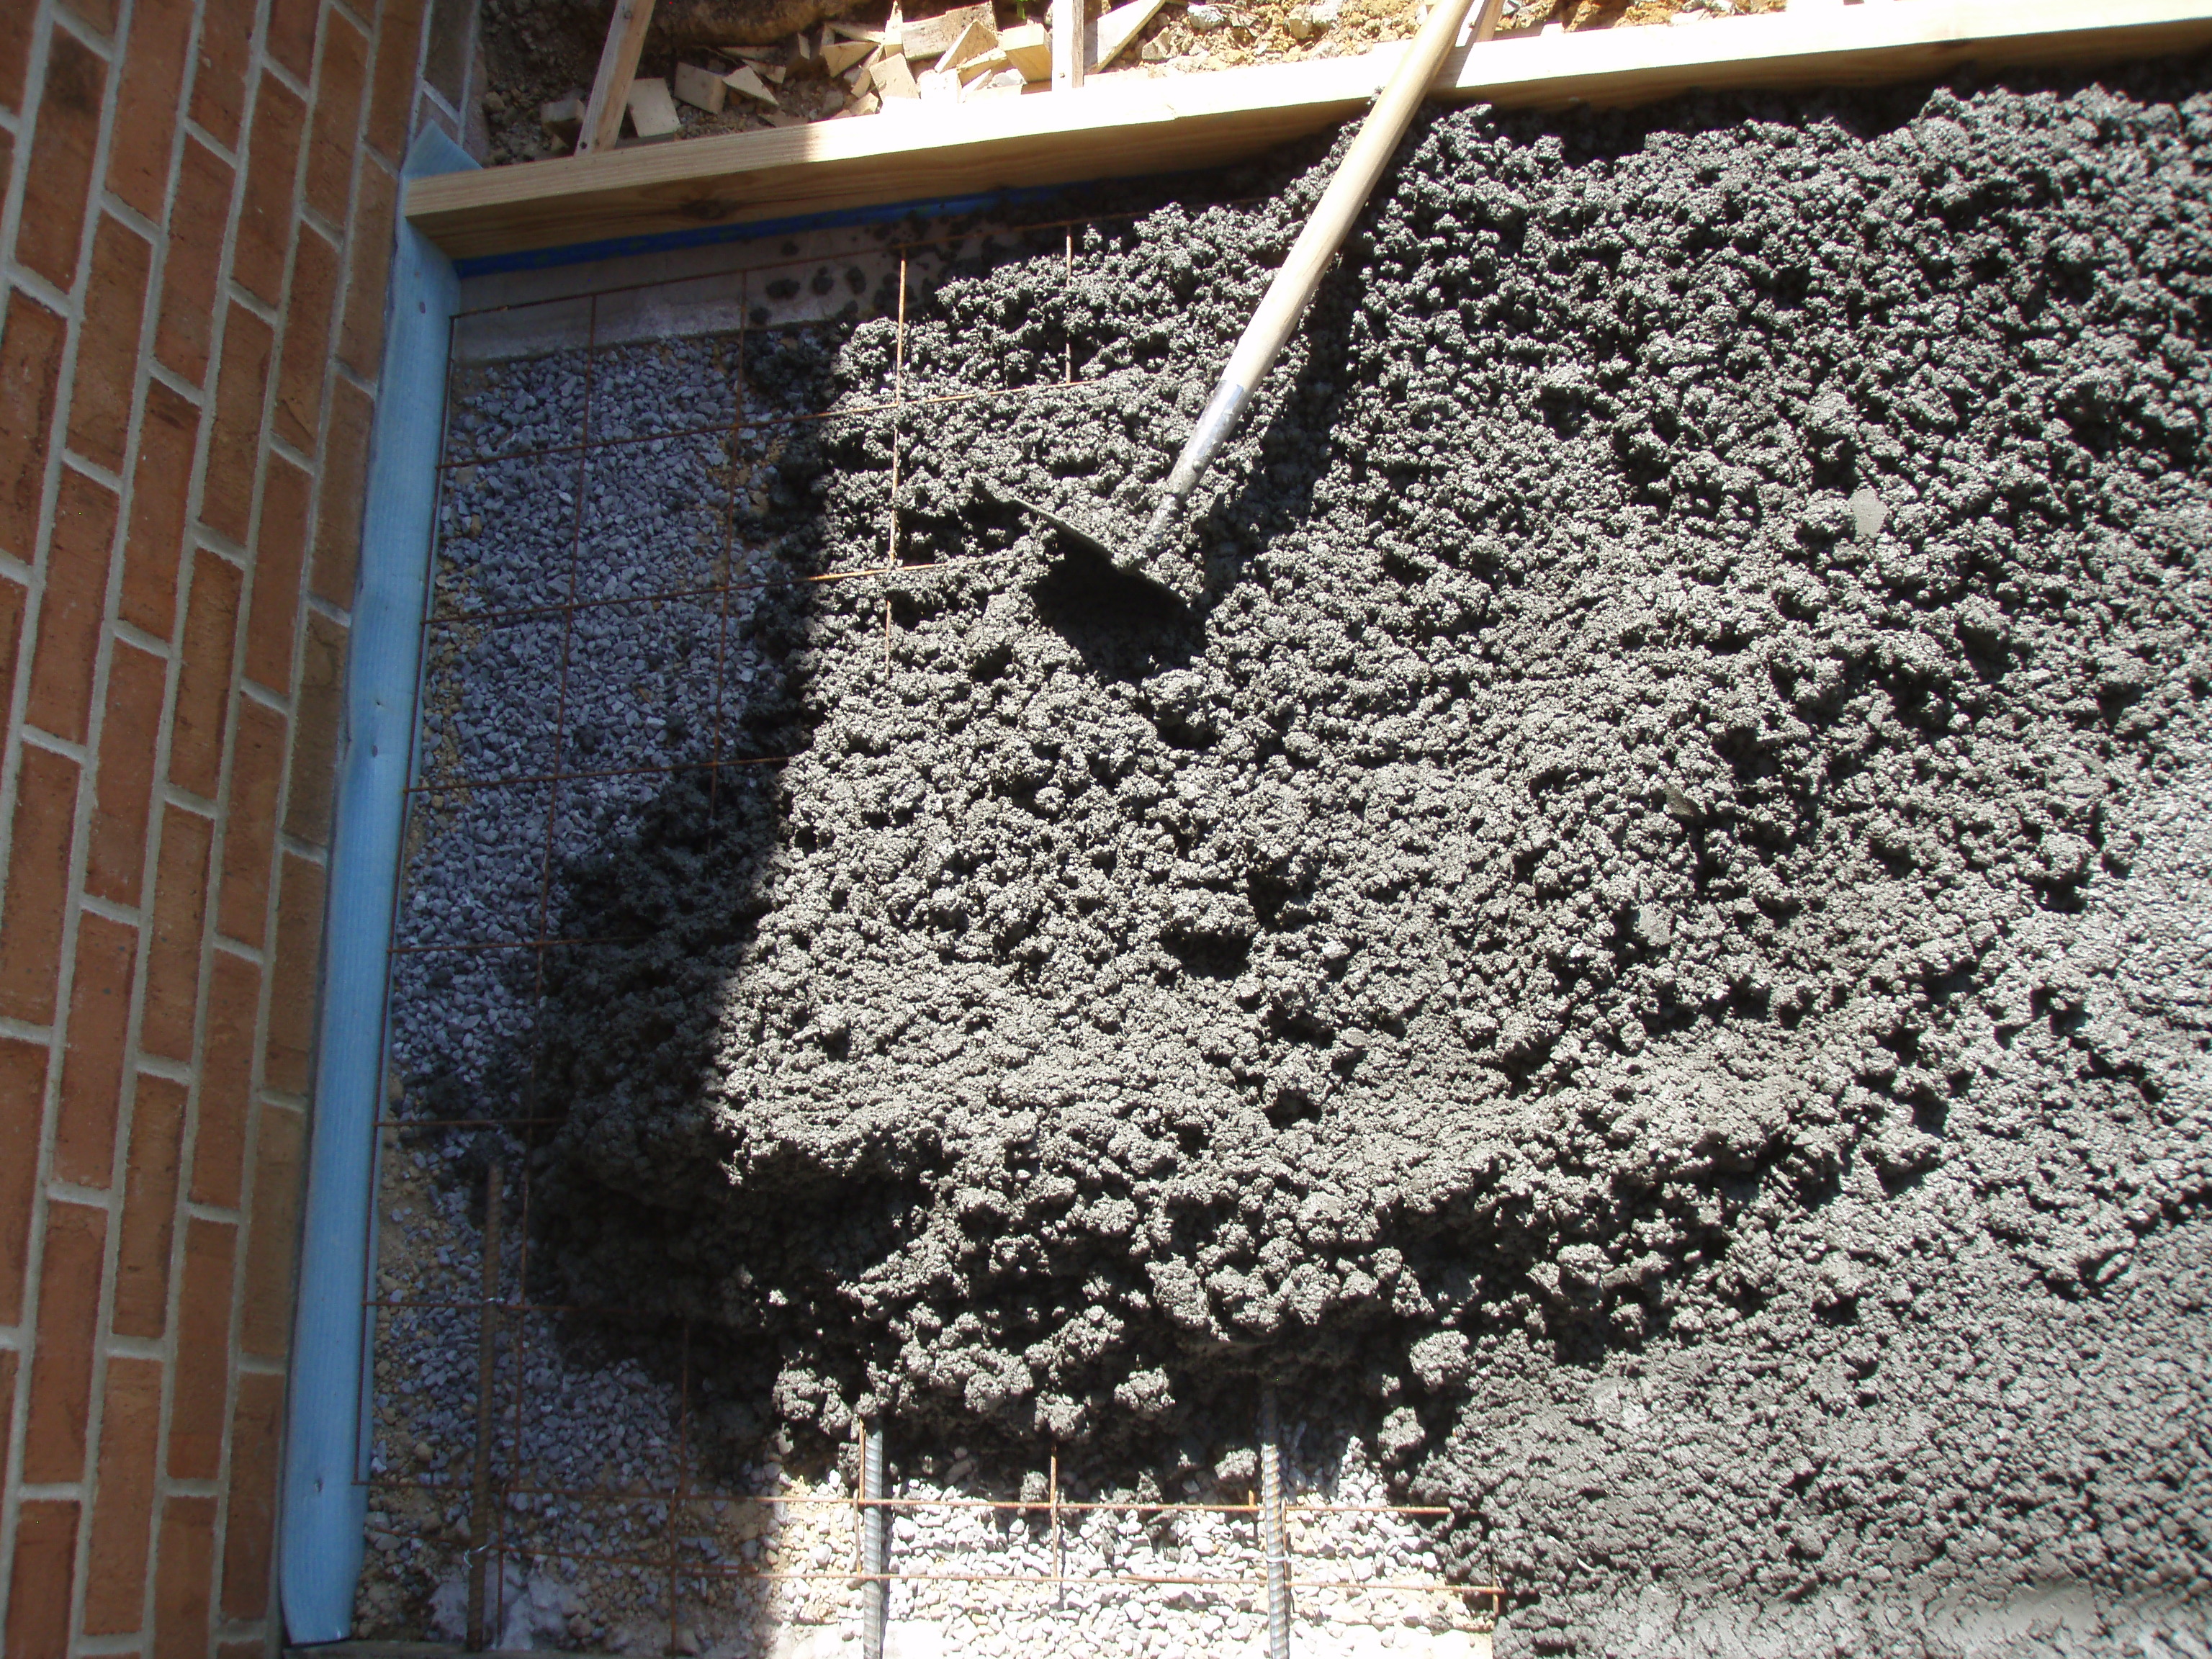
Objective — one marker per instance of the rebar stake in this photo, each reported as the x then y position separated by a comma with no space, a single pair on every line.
486,1352
1275,1538
875,1537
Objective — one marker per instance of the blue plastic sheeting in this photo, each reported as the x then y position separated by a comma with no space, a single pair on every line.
325,1505
623,247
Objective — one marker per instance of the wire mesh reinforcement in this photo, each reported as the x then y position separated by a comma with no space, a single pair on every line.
505,1315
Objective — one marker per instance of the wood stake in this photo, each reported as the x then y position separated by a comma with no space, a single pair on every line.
617,67
1069,47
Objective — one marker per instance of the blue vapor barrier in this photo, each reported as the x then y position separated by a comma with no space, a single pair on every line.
620,248
326,1499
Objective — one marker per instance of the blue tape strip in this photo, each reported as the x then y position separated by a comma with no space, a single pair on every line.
325,1504
620,248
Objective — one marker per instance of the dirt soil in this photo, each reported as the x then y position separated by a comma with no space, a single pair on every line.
536,52
1629,898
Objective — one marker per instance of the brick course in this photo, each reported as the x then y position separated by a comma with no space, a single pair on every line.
190,336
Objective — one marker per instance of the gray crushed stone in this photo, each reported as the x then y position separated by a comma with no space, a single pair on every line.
1627,906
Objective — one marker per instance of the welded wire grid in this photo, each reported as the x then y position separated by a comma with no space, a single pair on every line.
743,330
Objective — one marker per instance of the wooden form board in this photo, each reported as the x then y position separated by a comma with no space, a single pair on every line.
1128,125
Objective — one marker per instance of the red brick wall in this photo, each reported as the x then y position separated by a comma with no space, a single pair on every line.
197,222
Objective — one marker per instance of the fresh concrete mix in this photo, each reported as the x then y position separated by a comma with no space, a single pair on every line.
1626,906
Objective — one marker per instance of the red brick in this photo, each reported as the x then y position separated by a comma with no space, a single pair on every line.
292,37
43,1578
392,88
100,14
315,730
361,336
272,164
37,884
68,1326
58,179
153,76
107,348
14,601
149,1206
292,976
203,678
123,788
31,345
226,1082
273,1243
123,1516
249,1528
185,333
197,1411
280,552
68,654
227,495
249,836
160,492
299,412
173,961
7,1417
22,1115
253,1647
335,129
92,1064
184,1579
345,481
219,77
17,24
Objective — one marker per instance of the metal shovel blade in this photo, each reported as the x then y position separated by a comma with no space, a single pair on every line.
1066,526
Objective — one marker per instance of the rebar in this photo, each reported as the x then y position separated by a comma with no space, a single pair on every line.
875,1537
506,1329
1275,1537
480,1521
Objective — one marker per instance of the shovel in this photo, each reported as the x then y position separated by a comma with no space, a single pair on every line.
1300,273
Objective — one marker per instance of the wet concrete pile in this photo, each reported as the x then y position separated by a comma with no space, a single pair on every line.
1629,902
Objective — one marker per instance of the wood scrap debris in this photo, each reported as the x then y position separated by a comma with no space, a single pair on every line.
1029,49
1114,31
651,111
890,76
930,37
562,118
840,56
702,88
975,41
745,80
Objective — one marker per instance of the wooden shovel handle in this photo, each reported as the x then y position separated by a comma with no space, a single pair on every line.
1324,232
1347,193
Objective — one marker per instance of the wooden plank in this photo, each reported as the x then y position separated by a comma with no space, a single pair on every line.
617,68
1127,126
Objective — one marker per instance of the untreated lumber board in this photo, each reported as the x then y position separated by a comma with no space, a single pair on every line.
1122,127
610,86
